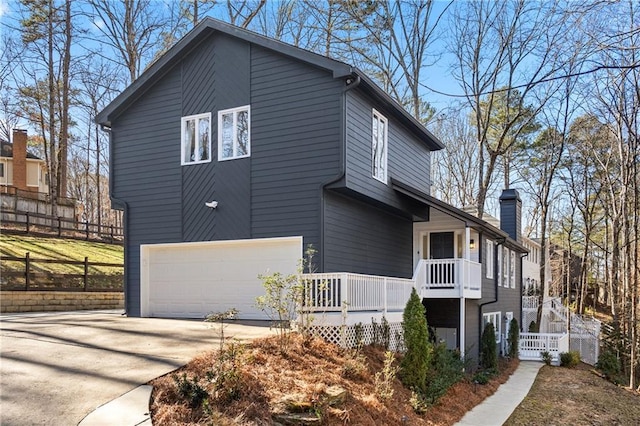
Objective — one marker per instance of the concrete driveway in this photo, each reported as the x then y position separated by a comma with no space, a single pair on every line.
55,368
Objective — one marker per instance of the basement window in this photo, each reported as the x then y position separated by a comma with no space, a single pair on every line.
493,318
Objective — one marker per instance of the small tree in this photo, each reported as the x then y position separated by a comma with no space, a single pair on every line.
489,354
283,295
514,336
416,360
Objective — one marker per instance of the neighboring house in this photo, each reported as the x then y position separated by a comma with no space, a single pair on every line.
234,151
531,266
19,169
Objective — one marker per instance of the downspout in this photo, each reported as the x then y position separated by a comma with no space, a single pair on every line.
522,256
499,242
351,83
125,218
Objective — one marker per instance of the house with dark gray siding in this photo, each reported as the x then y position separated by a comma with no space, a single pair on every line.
234,152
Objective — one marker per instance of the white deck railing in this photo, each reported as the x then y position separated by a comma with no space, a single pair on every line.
343,292
532,345
530,302
449,278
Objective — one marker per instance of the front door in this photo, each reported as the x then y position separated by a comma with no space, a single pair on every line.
441,245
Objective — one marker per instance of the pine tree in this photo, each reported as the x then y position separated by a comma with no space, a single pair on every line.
416,360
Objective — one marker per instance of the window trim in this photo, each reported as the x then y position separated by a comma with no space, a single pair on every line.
495,318
183,121
505,267
489,258
498,277
512,270
377,117
234,111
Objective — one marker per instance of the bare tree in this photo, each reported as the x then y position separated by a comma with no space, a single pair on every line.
131,28
242,12
397,46
454,173
499,46
46,32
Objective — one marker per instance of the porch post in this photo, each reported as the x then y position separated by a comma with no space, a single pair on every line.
462,326
467,242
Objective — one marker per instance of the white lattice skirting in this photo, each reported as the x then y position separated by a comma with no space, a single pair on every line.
351,336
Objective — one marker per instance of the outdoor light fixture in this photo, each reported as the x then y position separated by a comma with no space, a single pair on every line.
472,244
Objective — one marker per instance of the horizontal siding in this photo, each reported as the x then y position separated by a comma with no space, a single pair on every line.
295,122
362,239
408,158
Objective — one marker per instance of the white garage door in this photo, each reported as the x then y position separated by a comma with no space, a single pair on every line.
191,280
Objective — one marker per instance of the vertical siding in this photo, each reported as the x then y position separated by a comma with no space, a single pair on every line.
295,123
408,158
363,239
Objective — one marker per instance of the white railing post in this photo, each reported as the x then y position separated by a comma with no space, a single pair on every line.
384,309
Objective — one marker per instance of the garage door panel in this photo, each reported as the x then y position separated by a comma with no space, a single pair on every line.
191,280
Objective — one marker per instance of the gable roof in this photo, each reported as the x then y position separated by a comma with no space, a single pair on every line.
458,214
209,26
6,150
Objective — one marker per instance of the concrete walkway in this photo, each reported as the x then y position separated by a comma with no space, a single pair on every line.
496,409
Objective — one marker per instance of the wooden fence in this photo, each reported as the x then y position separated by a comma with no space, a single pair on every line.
44,225
30,277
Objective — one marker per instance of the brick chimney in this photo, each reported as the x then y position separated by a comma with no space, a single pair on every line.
511,214
20,159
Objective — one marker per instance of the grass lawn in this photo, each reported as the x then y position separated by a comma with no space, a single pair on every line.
58,249
576,396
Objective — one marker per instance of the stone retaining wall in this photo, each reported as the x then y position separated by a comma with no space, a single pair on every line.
43,301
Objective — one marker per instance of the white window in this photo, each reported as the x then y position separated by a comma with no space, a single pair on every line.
33,173
493,318
234,138
505,267
379,134
512,270
489,258
499,266
196,139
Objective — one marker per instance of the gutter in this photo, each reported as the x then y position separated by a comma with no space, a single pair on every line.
125,217
351,83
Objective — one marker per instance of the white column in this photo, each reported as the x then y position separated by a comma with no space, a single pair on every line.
462,326
467,242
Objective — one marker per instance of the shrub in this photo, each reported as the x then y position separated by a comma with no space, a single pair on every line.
570,359
533,327
283,294
546,357
482,377
514,336
446,369
418,403
609,364
354,365
190,390
225,376
383,380
415,363
488,349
